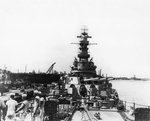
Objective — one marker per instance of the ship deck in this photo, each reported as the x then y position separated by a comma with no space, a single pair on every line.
105,115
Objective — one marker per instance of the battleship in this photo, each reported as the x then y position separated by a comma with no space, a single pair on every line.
81,95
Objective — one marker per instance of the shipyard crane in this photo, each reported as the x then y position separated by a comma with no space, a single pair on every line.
50,70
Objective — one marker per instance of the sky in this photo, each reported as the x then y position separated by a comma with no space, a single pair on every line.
36,33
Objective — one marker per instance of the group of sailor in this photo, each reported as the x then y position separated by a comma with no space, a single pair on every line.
103,91
33,106
29,108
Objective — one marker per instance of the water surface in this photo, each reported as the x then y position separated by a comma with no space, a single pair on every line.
133,91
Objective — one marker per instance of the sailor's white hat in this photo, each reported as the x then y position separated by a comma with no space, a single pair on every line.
37,97
24,95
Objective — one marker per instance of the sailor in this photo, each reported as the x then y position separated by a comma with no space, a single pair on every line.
2,88
2,108
42,104
93,90
24,107
98,115
75,94
115,96
81,80
11,108
83,90
52,91
44,90
99,89
131,111
104,85
120,105
36,109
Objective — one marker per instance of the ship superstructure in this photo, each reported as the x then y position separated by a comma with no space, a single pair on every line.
84,65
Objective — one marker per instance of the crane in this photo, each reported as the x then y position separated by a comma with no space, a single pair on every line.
50,70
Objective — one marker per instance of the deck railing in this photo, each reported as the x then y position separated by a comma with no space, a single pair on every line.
132,105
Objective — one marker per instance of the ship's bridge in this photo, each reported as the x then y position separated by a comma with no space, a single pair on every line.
83,66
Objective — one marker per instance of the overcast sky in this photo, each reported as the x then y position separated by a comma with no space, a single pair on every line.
37,33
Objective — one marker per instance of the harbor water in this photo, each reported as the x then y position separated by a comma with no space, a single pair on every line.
133,91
